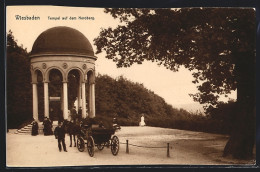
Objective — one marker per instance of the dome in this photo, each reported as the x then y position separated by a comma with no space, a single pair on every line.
62,40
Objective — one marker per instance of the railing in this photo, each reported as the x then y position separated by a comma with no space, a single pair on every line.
149,147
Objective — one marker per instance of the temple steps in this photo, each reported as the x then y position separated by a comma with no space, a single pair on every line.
28,128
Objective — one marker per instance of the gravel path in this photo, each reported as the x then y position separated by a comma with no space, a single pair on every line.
187,148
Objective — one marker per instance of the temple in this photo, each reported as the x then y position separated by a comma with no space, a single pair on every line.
65,53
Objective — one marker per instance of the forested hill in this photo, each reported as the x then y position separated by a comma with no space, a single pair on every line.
125,99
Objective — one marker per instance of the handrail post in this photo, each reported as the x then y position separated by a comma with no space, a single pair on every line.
168,149
127,149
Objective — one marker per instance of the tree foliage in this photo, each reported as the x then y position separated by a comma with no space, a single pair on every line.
204,40
18,83
123,98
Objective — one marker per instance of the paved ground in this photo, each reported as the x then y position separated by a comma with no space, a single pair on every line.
188,148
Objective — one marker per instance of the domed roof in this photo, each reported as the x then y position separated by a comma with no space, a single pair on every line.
62,40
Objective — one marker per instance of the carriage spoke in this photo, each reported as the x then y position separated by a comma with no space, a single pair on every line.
90,146
114,145
81,144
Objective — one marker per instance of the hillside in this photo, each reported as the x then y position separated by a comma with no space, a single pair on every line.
128,101
125,99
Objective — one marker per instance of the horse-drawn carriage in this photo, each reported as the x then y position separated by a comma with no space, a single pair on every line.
97,135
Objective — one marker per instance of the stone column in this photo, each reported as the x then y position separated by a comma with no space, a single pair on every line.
89,100
46,99
79,96
65,100
93,114
35,101
62,100
83,88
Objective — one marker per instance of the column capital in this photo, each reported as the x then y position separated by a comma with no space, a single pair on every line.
92,82
34,82
64,82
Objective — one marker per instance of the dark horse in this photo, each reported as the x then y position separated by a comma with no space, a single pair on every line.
72,129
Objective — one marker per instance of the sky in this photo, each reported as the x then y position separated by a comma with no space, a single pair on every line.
174,87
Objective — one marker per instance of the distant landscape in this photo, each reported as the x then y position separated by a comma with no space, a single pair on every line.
192,107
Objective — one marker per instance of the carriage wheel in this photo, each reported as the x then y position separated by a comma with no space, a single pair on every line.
90,145
100,146
114,145
80,144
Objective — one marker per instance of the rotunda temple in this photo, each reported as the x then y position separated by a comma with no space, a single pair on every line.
63,53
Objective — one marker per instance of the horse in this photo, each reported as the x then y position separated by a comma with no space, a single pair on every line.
72,129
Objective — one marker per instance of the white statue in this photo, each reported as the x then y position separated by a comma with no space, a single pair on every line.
142,123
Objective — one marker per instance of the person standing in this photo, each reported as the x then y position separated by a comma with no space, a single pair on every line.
73,114
50,131
35,128
45,125
60,135
80,113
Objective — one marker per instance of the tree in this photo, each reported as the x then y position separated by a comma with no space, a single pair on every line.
216,44
19,92
123,98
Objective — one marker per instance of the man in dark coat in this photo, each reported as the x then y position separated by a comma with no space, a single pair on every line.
47,123
80,112
60,135
50,131
34,128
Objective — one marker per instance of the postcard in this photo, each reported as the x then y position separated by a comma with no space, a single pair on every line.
130,86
